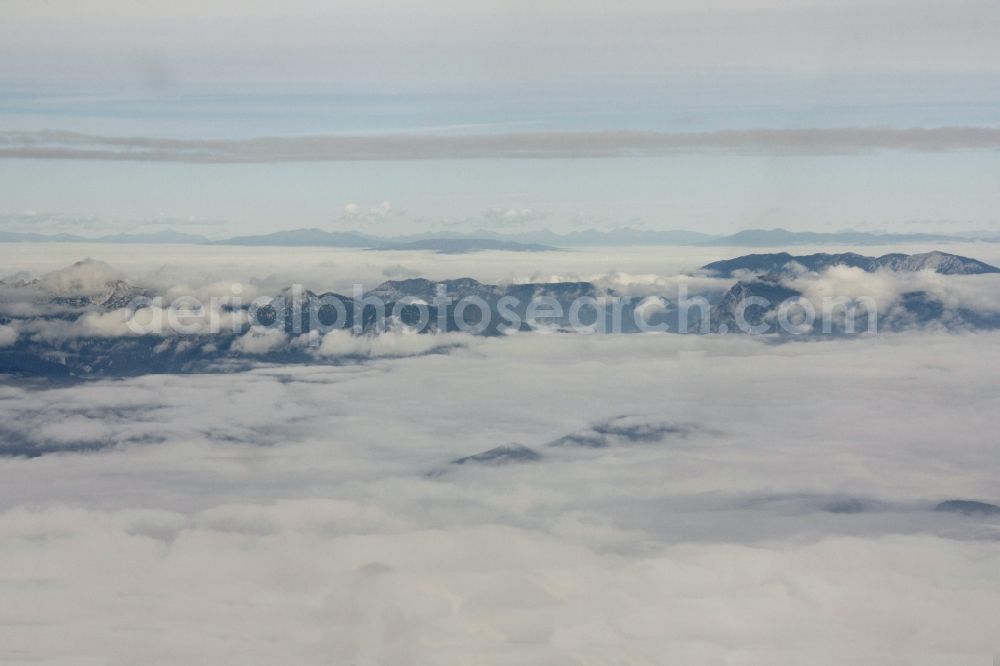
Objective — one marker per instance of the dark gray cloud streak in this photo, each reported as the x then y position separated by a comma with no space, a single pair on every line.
527,145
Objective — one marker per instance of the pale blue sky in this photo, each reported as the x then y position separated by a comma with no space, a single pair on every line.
261,69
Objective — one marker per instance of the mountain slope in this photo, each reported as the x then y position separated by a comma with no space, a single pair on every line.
783,263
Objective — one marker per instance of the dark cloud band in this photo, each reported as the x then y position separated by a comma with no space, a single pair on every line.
528,145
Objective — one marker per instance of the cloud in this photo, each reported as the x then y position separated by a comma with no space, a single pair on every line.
379,595
389,344
152,320
537,145
113,324
886,288
285,512
8,335
498,218
260,342
355,213
399,271
426,47
75,430
86,277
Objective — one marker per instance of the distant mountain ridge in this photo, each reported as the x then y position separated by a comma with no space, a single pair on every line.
466,245
783,237
488,239
304,237
156,237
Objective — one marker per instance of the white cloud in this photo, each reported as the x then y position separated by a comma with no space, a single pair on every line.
510,217
388,344
287,512
8,335
272,584
77,429
260,341
152,320
83,277
111,324
977,292
356,212
381,210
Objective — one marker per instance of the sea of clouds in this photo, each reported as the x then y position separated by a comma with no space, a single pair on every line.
691,500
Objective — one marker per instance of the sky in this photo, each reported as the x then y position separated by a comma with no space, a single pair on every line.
433,73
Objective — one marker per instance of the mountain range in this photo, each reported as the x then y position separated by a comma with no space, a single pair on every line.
62,328
784,264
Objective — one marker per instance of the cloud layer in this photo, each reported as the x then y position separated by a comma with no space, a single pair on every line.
289,512
693,499
537,145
